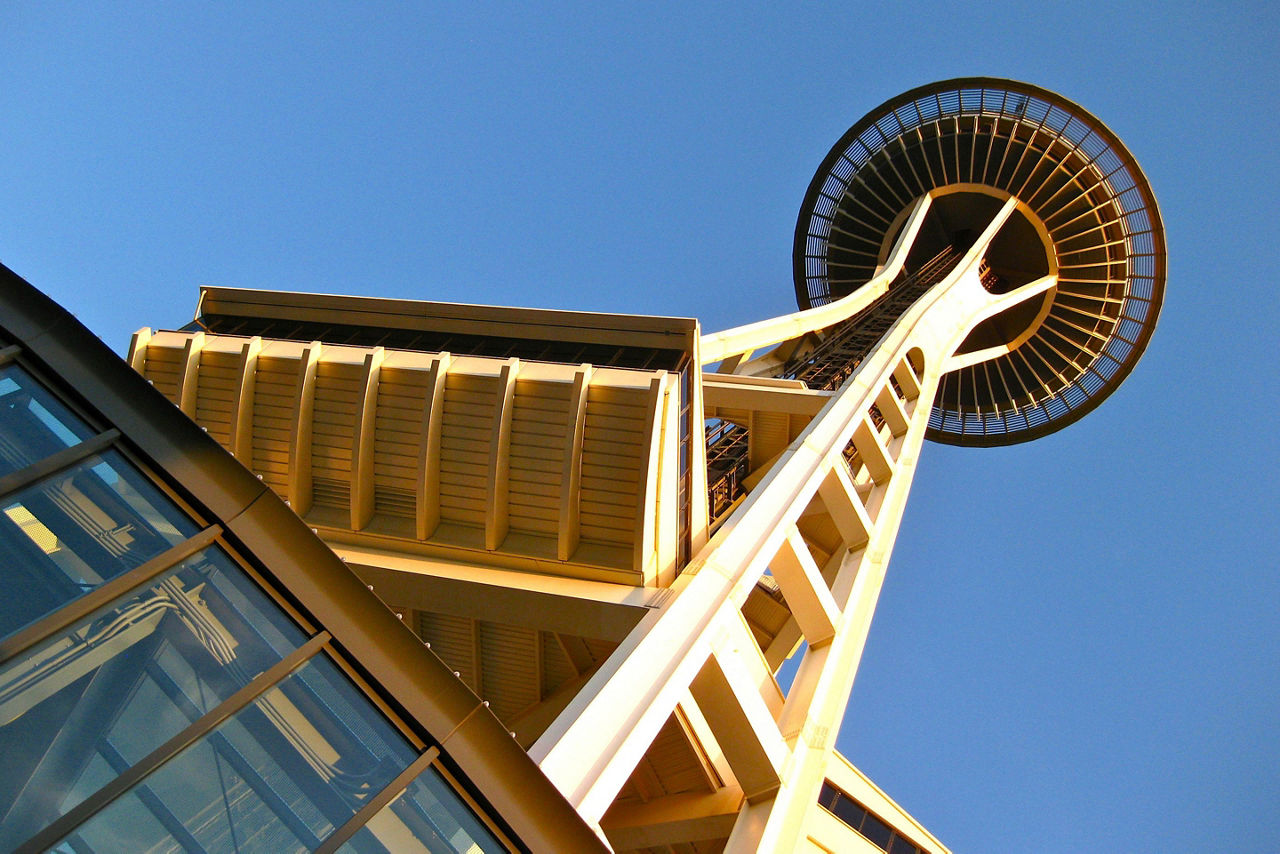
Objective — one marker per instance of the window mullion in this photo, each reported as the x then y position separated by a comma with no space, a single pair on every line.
57,462
105,796
378,801
78,609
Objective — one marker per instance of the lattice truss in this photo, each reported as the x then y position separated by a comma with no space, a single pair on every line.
820,524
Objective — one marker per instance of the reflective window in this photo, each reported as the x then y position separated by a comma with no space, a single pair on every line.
279,776
877,831
429,818
70,532
870,826
33,425
901,845
850,812
89,702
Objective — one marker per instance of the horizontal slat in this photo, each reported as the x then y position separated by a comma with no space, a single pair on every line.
528,490
531,525
159,353
537,469
457,423
475,451
609,395
614,522
464,386
524,422
609,466
533,443
600,498
534,390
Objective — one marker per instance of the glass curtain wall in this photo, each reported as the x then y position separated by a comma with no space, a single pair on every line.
155,697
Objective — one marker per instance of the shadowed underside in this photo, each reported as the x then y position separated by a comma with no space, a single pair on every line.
1086,211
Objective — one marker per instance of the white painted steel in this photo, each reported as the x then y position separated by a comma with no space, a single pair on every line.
592,747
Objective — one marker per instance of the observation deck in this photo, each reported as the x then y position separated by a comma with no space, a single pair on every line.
1086,214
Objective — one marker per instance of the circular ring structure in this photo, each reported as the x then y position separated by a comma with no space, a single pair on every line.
1087,199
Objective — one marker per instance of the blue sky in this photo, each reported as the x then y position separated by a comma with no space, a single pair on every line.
1076,647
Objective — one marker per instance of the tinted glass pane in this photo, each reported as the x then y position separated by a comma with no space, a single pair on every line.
877,831
850,812
428,817
33,424
85,705
279,776
67,534
903,846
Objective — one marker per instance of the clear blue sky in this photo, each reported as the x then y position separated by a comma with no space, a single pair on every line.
1076,649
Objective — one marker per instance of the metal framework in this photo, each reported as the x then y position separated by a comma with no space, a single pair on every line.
977,261
1083,192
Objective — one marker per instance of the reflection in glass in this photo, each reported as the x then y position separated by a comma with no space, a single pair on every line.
429,818
33,424
279,776
70,532
83,706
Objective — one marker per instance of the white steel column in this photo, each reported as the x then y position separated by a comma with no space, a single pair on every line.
595,743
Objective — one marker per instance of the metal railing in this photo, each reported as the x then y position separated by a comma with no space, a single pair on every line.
727,467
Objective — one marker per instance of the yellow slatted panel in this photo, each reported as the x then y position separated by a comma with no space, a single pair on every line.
541,463
509,681
676,762
275,385
539,424
218,386
163,368
611,461
337,406
616,499
765,615
465,435
451,639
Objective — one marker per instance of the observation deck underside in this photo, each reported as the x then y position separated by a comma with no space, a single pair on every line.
1083,201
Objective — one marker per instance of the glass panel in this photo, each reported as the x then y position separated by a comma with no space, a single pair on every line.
33,424
279,776
903,846
877,831
85,705
429,818
74,530
849,811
